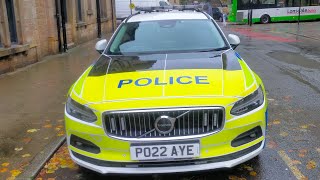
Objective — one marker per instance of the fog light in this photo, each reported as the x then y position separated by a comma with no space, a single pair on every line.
83,144
253,135
247,137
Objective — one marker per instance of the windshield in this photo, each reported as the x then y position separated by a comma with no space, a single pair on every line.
166,37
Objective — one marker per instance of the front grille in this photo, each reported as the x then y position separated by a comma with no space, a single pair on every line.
188,122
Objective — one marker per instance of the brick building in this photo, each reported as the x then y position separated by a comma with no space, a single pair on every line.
32,29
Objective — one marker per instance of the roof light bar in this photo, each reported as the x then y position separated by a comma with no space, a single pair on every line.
169,8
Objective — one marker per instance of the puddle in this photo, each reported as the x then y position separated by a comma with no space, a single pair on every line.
295,59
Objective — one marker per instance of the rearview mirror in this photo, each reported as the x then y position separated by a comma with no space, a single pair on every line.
234,40
101,45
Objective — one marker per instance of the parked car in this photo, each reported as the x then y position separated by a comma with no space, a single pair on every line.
168,94
123,9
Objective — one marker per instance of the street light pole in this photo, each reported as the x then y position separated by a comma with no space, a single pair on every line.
299,12
298,31
250,13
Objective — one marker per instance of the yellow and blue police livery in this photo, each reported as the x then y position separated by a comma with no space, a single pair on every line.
168,94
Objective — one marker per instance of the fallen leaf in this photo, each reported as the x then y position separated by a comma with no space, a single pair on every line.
311,164
32,130
60,120
271,144
57,129
60,126
318,150
51,178
287,98
5,164
18,149
23,165
253,173
248,168
304,126
26,155
15,172
48,126
3,170
50,171
232,177
39,179
60,134
276,122
46,138
284,134
303,150
296,162
26,140
302,153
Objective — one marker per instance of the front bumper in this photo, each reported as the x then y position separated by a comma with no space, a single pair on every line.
216,150
167,167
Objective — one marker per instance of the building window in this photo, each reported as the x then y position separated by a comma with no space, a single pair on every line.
79,11
103,9
11,21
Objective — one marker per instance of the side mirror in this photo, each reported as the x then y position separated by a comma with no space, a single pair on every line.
101,45
234,40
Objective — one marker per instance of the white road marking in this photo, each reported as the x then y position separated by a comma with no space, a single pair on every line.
297,173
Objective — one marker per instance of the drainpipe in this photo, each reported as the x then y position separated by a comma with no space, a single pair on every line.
112,5
64,31
98,18
58,25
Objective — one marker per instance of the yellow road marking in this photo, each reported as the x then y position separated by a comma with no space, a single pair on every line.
291,166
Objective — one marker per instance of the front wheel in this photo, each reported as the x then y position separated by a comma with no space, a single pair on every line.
265,19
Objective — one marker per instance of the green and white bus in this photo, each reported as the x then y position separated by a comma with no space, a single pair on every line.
266,11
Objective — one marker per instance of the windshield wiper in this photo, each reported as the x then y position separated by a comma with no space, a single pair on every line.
216,49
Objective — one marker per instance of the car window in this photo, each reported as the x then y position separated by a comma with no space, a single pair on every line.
166,36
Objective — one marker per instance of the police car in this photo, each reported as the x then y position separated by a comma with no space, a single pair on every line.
168,94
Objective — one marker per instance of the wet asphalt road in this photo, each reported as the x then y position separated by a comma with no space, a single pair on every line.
288,65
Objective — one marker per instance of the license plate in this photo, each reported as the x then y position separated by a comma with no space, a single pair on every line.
164,151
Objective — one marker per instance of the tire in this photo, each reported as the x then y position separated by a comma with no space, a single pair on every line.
265,19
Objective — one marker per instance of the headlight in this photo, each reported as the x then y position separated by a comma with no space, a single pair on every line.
248,103
80,111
